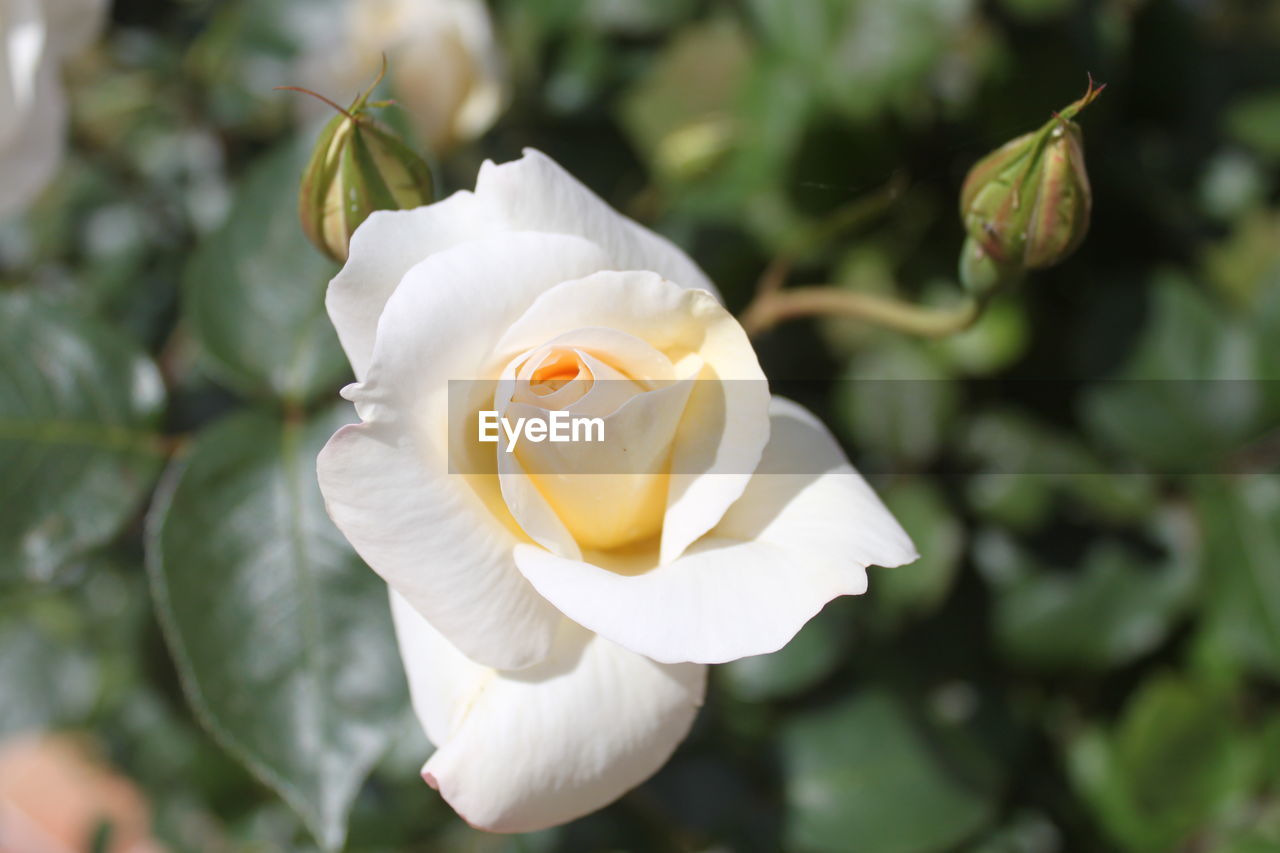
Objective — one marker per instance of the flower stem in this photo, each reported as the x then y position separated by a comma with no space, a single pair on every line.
771,307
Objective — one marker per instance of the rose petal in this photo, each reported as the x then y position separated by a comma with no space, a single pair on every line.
528,506
535,194
607,493
801,534
383,249
530,194
34,150
434,541
73,24
726,424
444,540
517,752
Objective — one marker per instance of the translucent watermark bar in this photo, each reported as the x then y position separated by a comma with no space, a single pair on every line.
970,426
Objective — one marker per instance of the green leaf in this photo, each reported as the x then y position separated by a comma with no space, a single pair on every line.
1027,832
254,291
1188,395
50,677
1255,122
864,775
281,635
1168,768
1024,464
869,56
69,650
919,588
1241,520
1112,608
79,411
898,402
637,19
988,346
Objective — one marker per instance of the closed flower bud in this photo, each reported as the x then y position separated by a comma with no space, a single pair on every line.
358,166
1026,205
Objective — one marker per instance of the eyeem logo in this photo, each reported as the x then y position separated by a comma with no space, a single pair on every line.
556,427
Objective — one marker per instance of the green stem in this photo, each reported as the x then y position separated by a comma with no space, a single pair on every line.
771,308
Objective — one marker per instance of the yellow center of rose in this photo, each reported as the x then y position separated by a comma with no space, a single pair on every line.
605,495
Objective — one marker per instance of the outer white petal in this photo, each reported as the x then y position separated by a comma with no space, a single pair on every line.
449,311
434,541
517,752
385,247
35,36
534,193
438,538
801,534
530,194
726,422
24,50
35,149
73,24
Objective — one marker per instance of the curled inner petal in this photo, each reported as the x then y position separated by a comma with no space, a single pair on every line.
581,495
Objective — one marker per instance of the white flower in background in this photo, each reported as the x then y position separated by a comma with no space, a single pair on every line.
556,623
36,36
444,65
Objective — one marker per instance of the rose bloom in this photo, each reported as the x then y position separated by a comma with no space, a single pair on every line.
556,623
444,65
35,37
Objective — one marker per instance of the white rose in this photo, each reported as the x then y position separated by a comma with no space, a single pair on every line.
444,65
35,37
555,628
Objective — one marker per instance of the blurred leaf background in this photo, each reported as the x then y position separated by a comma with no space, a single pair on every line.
1086,658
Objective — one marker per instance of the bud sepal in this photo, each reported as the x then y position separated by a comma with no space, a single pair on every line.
358,166
1026,205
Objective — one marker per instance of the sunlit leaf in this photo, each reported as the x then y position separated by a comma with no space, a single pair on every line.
898,403
1241,518
1112,607
254,291
79,443
1168,767
866,775
280,633
1188,396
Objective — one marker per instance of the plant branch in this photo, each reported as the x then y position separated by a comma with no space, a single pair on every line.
771,307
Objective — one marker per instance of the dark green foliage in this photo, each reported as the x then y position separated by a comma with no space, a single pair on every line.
1087,656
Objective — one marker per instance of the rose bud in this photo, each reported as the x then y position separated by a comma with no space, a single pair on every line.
1026,205
358,166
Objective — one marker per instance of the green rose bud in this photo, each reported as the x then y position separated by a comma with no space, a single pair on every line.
1026,205
358,166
